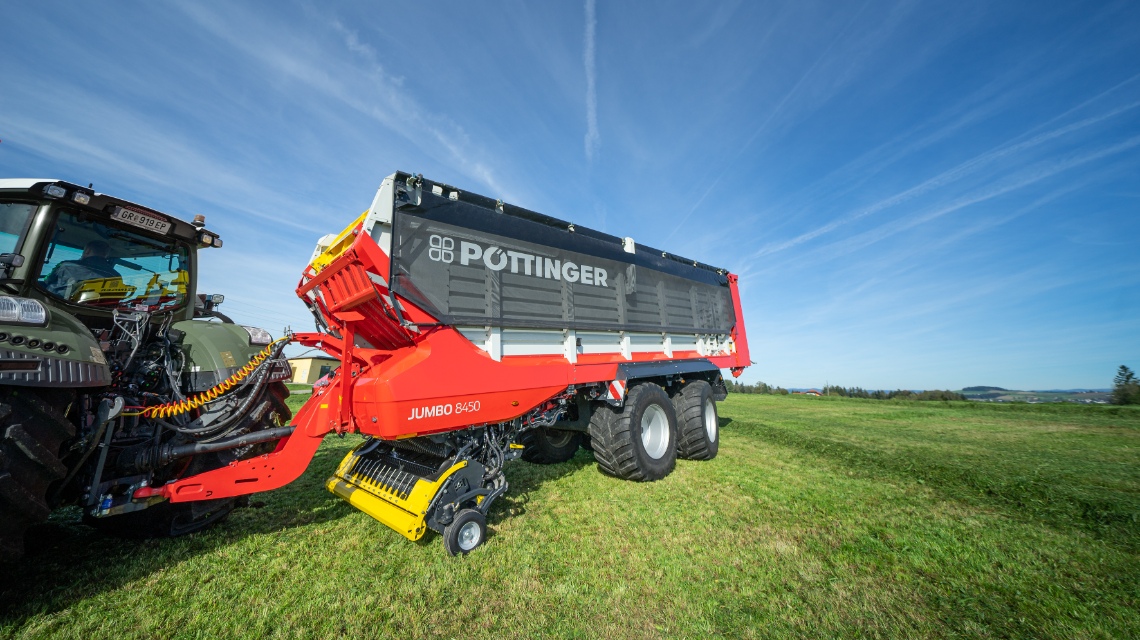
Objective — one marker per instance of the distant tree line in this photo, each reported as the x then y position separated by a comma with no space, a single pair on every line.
850,392
901,394
759,387
1126,388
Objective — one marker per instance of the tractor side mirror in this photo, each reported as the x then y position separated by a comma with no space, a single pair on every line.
9,261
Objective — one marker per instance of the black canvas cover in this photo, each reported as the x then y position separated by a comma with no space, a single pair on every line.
470,264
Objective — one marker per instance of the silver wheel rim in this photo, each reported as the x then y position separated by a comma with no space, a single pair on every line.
654,431
469,536
710,420
558,439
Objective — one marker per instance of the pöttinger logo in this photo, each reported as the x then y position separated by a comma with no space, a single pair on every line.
441,249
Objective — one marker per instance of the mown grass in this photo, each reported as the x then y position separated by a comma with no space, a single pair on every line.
820,518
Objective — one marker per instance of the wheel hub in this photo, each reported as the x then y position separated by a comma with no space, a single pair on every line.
710,420
469,536
558,439
654,431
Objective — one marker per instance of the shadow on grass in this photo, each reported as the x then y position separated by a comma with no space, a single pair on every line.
523,478
526,477
67,561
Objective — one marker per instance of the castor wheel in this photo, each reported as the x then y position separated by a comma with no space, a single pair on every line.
467,531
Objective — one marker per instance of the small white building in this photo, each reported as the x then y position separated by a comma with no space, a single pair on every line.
309,370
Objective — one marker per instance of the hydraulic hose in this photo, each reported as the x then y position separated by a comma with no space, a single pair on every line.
213,393
222,427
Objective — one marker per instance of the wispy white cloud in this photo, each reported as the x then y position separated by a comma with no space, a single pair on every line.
906,191
833,67
1032,72
907,255
970,167
1089,102
1021,179
589,59
720,17
154,158
379,97
352,41
837,250
970,110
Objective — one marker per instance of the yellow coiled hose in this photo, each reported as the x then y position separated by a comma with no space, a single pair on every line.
213,393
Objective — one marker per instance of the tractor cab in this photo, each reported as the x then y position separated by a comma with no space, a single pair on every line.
68,246
88,262
114,370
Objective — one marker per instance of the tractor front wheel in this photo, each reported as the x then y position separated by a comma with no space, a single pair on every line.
33,428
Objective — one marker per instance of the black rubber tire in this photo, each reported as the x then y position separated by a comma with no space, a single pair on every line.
33,428
451,541
169,520
691,403
617,439
549,446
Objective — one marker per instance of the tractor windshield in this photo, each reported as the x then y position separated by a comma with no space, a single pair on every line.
13,223
94,264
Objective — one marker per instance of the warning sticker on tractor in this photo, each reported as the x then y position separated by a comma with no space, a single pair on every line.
228,358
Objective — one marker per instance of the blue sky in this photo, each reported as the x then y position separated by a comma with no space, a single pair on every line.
915,194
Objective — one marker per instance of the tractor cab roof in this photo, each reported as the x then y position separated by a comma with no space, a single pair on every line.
123,211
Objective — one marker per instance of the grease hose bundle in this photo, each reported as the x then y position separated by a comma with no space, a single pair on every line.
186,405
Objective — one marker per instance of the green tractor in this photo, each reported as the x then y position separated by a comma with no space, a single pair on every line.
115,374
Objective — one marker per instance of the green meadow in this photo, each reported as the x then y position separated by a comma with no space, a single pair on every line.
821,517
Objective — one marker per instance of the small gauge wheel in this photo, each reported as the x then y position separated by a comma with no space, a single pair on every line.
466,532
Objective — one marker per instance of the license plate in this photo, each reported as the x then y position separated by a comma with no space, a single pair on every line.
140,219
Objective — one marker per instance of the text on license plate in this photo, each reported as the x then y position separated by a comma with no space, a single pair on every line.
139,219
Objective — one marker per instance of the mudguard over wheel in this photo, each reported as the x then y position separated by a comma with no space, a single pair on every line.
549,446
697,426
33,428
637,442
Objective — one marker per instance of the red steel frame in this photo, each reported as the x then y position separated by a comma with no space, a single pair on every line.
415,378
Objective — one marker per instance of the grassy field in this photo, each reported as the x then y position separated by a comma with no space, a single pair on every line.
822,517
